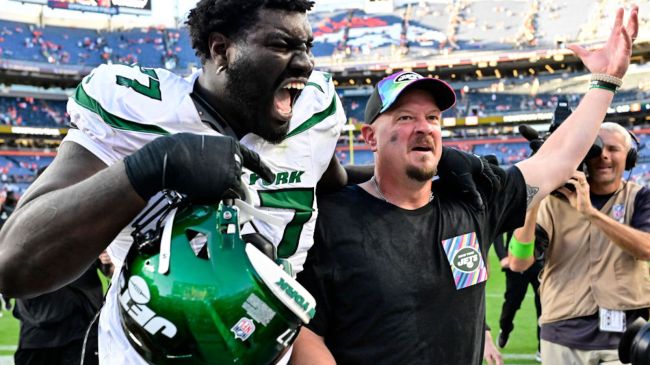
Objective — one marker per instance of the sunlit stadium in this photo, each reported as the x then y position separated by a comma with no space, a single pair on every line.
507,61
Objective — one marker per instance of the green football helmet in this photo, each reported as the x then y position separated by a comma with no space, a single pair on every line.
192,291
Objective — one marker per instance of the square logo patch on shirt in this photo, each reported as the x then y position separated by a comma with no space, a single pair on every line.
465,260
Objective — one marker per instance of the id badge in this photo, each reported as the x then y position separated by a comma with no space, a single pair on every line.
612,320
465,260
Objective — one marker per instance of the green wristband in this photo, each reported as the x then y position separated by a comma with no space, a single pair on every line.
599,84
521,250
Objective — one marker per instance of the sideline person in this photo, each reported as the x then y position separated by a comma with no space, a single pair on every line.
595,279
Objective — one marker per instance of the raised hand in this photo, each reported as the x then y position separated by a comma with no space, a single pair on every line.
614,57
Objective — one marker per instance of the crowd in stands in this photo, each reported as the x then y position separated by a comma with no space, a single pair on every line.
153,46
28,111
482,104
34,112
434,28
17,172
414,28
31,112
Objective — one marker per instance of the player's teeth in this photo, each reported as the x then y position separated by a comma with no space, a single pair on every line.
295,85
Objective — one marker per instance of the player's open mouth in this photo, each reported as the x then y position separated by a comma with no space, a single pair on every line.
285,97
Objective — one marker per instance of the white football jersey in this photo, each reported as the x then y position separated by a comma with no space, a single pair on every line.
117,109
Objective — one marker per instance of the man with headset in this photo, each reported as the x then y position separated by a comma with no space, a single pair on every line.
595,278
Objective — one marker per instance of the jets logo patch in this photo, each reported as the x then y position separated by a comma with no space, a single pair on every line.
465,260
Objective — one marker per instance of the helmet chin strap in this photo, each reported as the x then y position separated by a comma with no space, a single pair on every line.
211,116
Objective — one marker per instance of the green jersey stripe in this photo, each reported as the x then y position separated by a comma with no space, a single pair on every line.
83,99
315,119
315,85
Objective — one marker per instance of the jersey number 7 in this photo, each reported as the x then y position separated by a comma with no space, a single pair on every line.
301,200
151,91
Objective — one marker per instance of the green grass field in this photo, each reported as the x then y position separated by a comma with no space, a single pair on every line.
520,349
8,333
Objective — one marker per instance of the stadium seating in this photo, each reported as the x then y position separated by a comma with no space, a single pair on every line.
415,29
33,112
152,47
17,172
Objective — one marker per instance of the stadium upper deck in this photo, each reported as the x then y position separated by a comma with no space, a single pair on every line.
419,30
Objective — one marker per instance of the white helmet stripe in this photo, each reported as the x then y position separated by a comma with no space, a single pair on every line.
166,243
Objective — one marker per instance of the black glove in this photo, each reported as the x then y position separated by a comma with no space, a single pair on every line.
471,177
199,166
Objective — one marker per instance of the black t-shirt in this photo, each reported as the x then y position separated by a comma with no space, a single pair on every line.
383,282
62,316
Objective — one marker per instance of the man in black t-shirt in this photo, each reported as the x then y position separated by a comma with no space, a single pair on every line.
397,270
53,325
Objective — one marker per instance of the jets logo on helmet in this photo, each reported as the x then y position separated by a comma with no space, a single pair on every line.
133,300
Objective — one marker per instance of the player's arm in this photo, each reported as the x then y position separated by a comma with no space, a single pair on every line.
78,206
66,218
522,244
310,349
336,176
556,160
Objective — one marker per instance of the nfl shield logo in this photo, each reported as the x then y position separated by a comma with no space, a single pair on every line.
243,329
618,212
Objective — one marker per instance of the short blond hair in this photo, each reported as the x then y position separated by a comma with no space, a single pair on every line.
615,127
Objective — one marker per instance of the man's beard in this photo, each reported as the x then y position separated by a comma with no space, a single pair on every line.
420,174
244,93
